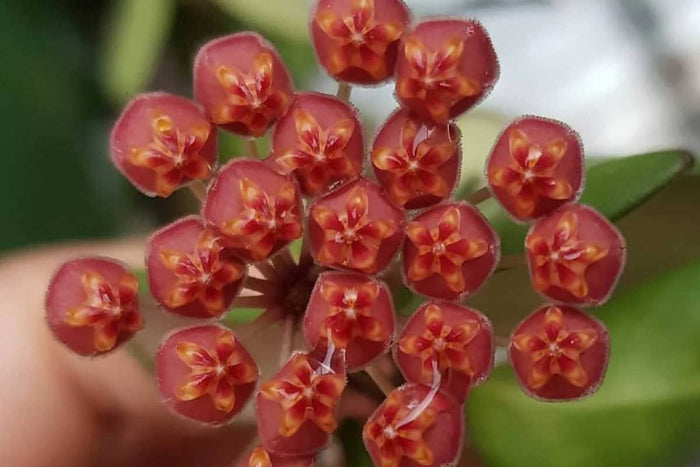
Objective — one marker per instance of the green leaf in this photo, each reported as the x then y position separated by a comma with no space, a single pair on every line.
136,35
647,411
614,187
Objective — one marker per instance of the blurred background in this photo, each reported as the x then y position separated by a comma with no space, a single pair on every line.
624,73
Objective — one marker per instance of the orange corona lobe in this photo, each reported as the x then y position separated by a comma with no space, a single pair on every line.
530,174
555,350
414,165
108,311
319,156
351,238
359,40
259,458
350,316
435,77
442,250
201,275
252,97
307,394
214,372
562,260
173,155
441,343
396,440
264,220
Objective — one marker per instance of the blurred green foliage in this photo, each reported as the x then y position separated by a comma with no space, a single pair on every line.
646,413
68,66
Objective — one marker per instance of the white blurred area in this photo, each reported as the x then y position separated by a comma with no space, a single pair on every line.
624,73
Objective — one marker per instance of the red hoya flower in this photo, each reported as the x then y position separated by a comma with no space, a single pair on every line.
449,252
417,163
457,338
296,408
444,68
355,227
242,83
320,140
416,425
205,374
161,141
92,305
357,40
189,272
255,209
559,353
535,166
575,255
259,457
355,312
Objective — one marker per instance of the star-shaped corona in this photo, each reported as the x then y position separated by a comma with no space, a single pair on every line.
251,99
439,246
541,170
351,236
353,312
562,261
214,372
444,67
201,275
175,143
441,343
189,271
255,210
435,77
559,352
108,310
356,41
205,373
415,162
305,395
242,83
320,141
454,340
396,441
401,431
173,155
350,315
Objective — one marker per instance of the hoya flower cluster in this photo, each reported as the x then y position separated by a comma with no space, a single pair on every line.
355,207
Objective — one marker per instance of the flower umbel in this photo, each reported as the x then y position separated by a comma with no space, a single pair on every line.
239,251
108,311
